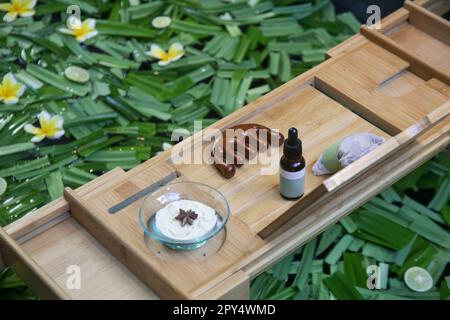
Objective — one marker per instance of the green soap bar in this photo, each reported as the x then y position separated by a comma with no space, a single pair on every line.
330,157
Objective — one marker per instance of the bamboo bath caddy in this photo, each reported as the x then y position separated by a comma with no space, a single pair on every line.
394,82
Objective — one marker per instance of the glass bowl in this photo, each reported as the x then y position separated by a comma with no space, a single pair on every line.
195,191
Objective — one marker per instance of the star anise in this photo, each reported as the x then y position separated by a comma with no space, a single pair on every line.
186,217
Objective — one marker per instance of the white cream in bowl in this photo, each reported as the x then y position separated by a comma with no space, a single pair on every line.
169,226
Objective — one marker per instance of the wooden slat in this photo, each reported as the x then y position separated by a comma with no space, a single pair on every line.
439,7
423,45
122,235
38,218
122,250
235,287
46,214
28,270
102,275
31,225
393,20
421,68
429,22
377,85
347,46
357,107
439,86
438,114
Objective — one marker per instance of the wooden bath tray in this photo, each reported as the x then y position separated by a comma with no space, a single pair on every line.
366,86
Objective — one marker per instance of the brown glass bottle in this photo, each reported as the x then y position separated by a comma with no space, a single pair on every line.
292,168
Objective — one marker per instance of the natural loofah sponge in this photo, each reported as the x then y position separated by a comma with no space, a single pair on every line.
345,152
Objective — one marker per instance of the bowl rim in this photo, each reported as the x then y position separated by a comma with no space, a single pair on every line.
203,238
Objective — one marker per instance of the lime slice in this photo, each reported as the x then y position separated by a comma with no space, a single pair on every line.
77,74
418,279
161,22
3,186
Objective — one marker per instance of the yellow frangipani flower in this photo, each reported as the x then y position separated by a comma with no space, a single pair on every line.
23,8
51,127
175,52
81,30
10,89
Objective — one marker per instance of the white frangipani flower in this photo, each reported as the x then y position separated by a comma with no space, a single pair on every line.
22,8
51,127
176,51
10,89
81,30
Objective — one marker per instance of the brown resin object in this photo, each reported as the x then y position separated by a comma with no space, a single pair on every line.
242,142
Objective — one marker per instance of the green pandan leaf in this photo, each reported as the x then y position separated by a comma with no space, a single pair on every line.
341,288
120,29
57,81
446,214
15,148
55,185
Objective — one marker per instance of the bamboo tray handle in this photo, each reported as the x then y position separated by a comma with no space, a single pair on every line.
390,146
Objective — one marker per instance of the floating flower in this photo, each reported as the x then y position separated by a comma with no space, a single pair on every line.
81,30
10,89
175,52
161,22
23,8
51,127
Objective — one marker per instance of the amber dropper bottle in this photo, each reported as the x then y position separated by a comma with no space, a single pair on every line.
292,167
